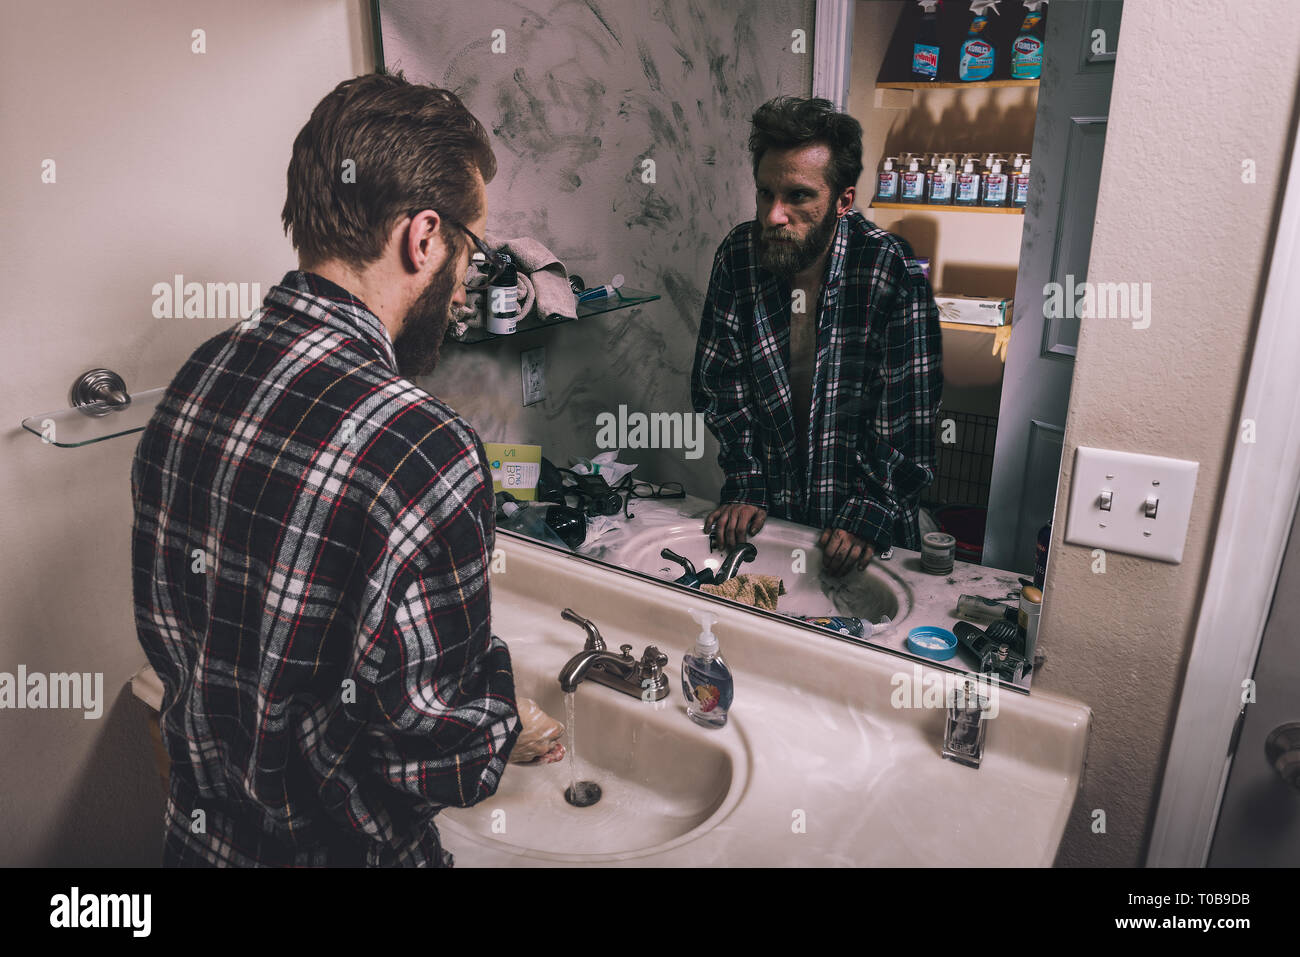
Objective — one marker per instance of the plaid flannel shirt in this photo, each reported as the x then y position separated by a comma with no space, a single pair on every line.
876,385
310,570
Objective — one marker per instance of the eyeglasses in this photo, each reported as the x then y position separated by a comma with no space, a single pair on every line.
496,262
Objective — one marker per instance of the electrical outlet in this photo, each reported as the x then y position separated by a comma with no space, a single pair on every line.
533,363
1131,503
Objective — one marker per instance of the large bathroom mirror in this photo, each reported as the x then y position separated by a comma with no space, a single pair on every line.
621,132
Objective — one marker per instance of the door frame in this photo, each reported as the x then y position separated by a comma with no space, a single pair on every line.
833,51
1258,509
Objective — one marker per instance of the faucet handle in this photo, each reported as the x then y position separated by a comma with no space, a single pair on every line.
626,649
594,641
652,659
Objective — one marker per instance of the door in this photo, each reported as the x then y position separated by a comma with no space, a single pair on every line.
1069,133
1259,816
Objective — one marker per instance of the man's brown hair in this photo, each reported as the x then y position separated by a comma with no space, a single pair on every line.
786,122
414,147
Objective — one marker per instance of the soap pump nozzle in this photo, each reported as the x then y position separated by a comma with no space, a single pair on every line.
706,645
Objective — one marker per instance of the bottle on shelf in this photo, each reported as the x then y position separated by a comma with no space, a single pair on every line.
978,55
966,185
940,192
1027,50
887,180
994,192
925,49
1020,186
912,188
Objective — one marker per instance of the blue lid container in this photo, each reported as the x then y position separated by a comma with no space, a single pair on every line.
928,641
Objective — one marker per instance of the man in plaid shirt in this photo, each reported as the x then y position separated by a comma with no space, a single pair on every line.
819,366
313,531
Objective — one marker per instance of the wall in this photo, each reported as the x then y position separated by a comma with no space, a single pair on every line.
1119,640
581,96
167,162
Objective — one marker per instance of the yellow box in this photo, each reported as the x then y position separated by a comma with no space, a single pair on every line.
514,468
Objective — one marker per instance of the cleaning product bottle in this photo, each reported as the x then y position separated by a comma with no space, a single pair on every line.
1020,185
887,181
1027,51
995,184
706,679
925,49
966,187
978,55
912,189
941,182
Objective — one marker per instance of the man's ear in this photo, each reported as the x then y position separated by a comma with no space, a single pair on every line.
420,238
845,202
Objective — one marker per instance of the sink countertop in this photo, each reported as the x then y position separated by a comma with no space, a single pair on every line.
934,597
814,725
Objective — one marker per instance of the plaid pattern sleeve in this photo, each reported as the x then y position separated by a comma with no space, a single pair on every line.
720,389
310,555
897,459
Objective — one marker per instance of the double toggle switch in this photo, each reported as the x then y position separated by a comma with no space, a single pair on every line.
1129,502
1108,496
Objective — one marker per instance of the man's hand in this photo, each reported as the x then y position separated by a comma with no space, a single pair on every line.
841,551
539,735
734,522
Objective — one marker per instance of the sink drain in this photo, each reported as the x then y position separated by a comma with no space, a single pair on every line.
582,794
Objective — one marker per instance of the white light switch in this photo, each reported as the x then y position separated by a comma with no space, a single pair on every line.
1149,499
533,374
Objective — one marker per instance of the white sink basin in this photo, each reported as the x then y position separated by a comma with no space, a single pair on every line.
872,595
664,782
820,763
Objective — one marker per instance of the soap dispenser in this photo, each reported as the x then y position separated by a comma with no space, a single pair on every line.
706,679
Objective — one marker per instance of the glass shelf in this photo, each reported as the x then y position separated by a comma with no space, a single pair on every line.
625,299
73,428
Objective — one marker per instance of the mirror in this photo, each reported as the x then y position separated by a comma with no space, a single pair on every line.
621,133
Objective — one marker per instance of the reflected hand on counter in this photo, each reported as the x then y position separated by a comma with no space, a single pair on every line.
733,523
842,551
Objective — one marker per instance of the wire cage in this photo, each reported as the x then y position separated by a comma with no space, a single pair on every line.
964,469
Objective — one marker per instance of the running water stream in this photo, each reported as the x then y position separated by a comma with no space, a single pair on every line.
579,793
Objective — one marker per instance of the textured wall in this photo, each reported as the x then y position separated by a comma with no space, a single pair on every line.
1118,640
584,92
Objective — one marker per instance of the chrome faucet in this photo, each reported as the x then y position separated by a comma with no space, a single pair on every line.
643,679
735,558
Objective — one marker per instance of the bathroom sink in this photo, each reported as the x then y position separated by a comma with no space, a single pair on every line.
872,595
664,781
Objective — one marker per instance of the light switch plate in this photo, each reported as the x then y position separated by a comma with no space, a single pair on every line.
533,371
1131,478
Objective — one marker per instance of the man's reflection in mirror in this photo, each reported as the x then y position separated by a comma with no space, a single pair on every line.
819,363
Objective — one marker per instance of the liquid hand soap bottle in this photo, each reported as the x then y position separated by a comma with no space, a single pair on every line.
706,679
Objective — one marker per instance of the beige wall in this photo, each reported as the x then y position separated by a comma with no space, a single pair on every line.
167,162
1119,640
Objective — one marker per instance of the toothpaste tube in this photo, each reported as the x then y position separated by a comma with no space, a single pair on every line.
853,627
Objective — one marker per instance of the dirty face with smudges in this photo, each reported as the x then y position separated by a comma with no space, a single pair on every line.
796,210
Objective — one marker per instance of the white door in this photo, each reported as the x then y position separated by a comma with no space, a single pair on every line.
1069,133
1259,817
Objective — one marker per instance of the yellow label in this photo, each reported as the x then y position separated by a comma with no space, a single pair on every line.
514,468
